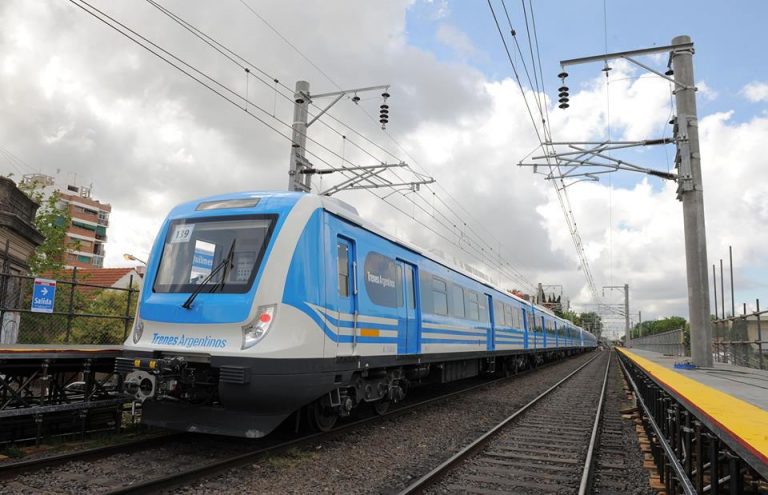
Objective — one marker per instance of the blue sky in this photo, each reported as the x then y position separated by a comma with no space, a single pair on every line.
726,34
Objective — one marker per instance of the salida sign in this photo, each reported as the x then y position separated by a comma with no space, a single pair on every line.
43,295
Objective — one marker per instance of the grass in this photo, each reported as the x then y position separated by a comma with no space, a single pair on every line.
288,459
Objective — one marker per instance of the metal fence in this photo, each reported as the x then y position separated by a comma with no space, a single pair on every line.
739,339
80,313
671,343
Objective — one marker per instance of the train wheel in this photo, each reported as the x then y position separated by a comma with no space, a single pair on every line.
381,406
320,417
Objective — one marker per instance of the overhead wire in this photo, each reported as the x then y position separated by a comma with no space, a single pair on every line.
561,192
233,98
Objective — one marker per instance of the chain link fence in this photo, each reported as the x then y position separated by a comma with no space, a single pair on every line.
671,343
78,313
739,340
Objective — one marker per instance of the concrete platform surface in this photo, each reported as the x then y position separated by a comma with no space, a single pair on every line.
747,384
733,400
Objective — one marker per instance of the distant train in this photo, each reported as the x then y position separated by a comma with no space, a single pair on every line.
257,305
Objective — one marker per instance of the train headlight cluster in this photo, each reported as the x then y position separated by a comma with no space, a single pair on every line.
258,328
138,329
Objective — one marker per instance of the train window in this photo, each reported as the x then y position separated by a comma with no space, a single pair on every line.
425,286
439,296
484,314
383,280
508,315
222,253
473,306
498,313
457,301
342,255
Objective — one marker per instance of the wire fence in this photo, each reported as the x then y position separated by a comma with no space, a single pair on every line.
78,313
671,343
739,339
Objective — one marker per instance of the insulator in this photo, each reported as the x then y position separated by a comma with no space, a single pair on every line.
385,95
606,69
383,121
563,94
355,99
384,106
562,75
513,32
562,88
563,100
669,72
563,106
673,120
383,111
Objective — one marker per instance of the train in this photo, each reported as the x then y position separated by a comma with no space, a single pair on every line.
260,306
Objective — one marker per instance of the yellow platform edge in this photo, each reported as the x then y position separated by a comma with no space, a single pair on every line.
746,422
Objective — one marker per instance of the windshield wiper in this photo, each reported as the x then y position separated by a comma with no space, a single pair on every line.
222,264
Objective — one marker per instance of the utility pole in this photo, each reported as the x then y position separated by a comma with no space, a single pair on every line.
301,169
692,195
296,180
588,159
640,323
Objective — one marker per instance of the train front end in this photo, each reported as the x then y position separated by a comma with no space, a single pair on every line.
207,318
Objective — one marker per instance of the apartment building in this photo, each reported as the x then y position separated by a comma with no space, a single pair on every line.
87,234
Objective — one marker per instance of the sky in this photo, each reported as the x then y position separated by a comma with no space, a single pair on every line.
83,103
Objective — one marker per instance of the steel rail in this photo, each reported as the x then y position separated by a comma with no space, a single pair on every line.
10,469
682,478
440,471
586,477
199,471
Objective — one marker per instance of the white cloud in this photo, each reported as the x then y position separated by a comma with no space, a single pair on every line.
78,97
756,91
457,41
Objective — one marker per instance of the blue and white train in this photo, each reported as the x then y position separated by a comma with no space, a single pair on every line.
256,306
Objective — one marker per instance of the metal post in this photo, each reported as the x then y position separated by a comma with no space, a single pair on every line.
759,334
692,196
626,312
70,311
296,180
127,320
722,288
640,323
714,286
733,300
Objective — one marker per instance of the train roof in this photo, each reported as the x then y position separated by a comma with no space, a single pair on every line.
286,200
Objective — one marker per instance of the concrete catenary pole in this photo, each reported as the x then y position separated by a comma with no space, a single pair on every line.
626,312
296,180
693,206
639,323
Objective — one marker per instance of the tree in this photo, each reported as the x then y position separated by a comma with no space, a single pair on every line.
52,220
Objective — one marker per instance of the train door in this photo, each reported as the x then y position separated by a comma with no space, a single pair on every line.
556,333
348,309
544,331
530,329
487,313
408,338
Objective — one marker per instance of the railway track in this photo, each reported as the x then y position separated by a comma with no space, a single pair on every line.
547,446
240,452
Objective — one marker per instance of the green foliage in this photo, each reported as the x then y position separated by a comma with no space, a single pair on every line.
659,326
103,330
52,220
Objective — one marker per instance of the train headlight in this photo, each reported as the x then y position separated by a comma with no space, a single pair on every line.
138,329
258,328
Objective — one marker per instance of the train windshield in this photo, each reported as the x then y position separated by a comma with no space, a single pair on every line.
223,254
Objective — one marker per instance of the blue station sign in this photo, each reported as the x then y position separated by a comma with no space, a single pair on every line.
43,295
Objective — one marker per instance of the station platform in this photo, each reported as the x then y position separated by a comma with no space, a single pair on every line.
732,400
58,351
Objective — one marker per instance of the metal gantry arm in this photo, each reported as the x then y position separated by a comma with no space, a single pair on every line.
594,159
